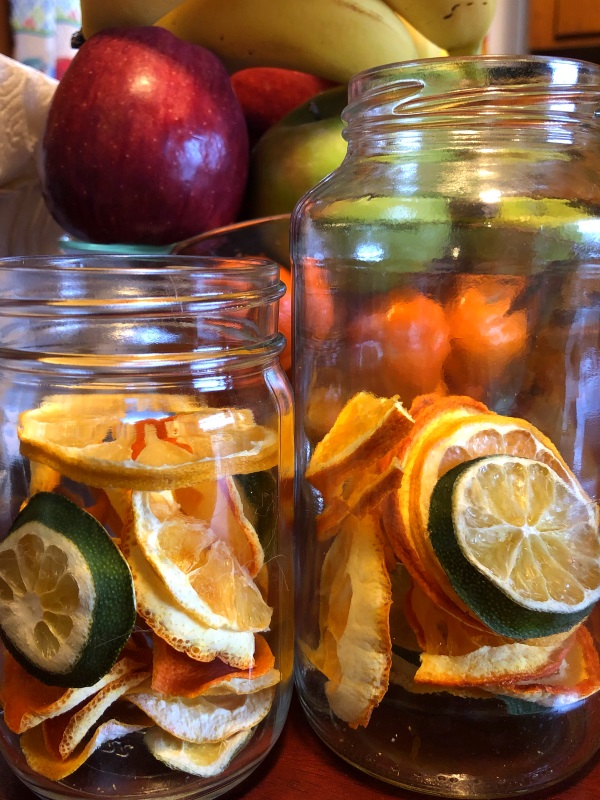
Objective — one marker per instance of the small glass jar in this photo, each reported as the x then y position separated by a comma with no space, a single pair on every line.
447,378
145,562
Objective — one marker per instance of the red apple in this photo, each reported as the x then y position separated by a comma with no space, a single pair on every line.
267,94
146,141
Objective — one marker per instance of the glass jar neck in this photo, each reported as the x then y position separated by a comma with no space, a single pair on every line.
458,102
118,313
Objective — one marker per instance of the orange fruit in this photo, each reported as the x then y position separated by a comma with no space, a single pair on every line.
486,337
401,348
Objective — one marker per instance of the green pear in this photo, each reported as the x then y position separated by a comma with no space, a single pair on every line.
296,153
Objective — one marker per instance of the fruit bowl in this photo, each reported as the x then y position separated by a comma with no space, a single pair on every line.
266,237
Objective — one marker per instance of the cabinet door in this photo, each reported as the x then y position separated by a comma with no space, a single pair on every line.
572,18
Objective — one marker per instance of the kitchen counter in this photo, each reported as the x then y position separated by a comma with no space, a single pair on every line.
301,767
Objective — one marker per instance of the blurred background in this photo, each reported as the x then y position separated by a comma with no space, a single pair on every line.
38,31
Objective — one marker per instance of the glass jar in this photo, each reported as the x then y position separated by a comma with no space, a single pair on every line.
447,377
145,561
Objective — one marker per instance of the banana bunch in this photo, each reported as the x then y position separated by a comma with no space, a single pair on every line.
334,39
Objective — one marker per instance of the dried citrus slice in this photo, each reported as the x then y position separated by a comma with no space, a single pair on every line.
177,674
365,430
360,495
354,651
27,702
441,442
203,719
219,504
514,662
200,569
519,544
149,454
68,603
578,677
65,732
206,759
169,620
40,760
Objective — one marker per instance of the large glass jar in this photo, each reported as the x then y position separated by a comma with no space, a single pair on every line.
447,372
145,561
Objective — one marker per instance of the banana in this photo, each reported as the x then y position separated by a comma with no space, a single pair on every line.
99,14
425,48
458,27
334,39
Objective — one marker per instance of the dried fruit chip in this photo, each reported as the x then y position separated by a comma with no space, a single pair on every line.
203,719
27,701
512,663
443,438
366,429
154,454
218,503
577,677
519,544
200,569
206,760
65,732
43,762
164,615
354,651
177,674
360,495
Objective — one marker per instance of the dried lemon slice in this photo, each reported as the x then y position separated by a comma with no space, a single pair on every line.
366,429
519,544
354,651
206,759
151,454
200,569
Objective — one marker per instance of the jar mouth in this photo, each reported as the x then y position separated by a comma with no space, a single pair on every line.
523,86
120,284
110,310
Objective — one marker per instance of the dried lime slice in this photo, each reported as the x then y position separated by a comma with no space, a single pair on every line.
67,603
519,544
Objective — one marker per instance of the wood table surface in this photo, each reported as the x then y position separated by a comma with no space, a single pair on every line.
300,766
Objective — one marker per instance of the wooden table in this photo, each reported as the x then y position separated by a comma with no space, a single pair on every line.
301,767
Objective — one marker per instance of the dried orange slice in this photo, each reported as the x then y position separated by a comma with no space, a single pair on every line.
365,430
513,662
360,495
40,760
65,732
151,454
206,759
577,677
27,701
200,569
171,622
219,504
177,674
203,719
354,651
